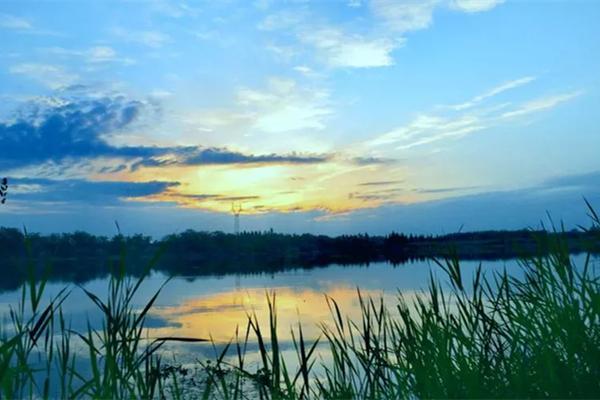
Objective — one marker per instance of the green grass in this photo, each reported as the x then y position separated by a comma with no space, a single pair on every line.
482,336
37,359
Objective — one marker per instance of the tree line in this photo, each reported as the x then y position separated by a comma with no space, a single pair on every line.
80,256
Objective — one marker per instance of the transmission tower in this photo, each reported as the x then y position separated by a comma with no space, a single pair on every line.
236,210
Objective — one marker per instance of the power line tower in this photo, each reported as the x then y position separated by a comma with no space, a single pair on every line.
236,210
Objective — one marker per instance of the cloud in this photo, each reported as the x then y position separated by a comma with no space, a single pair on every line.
8,21
405,16
259,116
283,53
306,71
371,160
379,191
92,55
561,197
52,76
343,47
74,130
473,6
154,321
493,92
542,104
100,54
237,198
173,9
29,190
584,181
412,15
283,107
381,183
342,50
370,197
198,199
447,189
160,93
284,19
220,156
426,129
71,129
335,47
429,128
22,26
154,39
224,156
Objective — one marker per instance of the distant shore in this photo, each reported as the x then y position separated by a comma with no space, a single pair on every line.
79,256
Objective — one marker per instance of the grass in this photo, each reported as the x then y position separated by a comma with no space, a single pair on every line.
37,358
485,336
493,337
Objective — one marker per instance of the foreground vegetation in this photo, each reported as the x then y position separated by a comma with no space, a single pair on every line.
486,337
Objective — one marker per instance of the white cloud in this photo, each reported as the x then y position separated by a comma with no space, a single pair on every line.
205,34
8,21
306,71
282,20
292,117
100,54
428,128
303,69
345,48
541,104
52,76
262,4
153,39
412,15
405,16
355,51
493,92
173,9
285,107
161,93
334,46
473,6
280,116
22,25
283,53
93,55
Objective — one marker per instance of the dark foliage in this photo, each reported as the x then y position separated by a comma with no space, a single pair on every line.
79,256
3,190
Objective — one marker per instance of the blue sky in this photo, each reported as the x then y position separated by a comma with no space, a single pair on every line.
319,116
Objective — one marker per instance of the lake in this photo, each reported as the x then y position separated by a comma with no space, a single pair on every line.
212,306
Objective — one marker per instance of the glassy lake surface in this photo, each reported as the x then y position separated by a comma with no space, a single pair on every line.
212,307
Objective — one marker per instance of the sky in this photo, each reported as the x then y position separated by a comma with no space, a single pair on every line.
327,117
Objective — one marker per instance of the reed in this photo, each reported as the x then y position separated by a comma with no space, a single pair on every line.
37,358
492,336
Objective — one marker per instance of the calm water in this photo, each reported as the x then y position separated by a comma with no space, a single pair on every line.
212,307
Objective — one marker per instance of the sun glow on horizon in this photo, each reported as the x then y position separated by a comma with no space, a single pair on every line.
331,187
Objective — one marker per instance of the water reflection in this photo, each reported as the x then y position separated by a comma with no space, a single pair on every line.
215,306
217,316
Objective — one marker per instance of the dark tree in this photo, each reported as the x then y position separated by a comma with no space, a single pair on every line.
3,190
